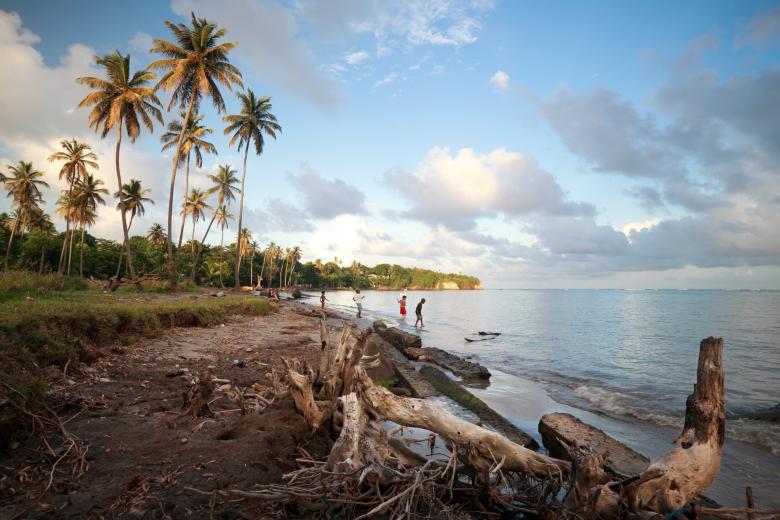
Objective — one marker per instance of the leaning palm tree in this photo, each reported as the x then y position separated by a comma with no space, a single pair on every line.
266,255
24,188
192,142
225,186
248,126
195,207
295,255
156,235
133,196
78,159
285,264
121,98
88,193
222,216
244,240
194,66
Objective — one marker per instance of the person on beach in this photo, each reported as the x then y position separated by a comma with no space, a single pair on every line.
402,302
323,299
418,312
358,299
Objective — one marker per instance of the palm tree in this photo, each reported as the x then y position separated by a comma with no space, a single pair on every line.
266,255
156,235
224,185
78,158
295,255
41,222
87,194
244,239
133,196
119,99
192,142
194,66
285,264
24,187
254,120
196,207
253,250
222,216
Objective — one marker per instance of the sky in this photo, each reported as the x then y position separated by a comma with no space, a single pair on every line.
533,144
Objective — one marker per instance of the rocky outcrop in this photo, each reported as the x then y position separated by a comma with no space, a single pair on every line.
396,337
564,435
460,367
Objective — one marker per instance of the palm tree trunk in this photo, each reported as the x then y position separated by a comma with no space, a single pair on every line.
10,242
202,244
61,266
40,264
192,249
70,248
81,253
221,256
237,283
122,250
186,191
122,207
172,274
292,270
281,271
265,254
251,266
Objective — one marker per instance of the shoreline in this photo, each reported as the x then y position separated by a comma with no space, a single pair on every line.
522,402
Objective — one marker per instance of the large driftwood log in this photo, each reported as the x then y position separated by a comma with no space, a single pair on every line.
674,479
487,447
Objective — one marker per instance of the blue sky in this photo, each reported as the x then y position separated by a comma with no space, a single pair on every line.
518,141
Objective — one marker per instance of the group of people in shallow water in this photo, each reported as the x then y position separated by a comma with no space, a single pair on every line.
358,299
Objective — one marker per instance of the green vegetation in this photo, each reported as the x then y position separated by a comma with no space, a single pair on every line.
50,320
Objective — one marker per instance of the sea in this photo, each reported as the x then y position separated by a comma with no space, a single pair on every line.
622,360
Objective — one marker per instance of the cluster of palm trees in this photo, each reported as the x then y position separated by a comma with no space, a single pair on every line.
193,67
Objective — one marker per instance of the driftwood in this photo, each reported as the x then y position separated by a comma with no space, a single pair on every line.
369,471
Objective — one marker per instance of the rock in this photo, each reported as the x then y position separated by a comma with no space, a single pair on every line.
297,293
382,368
219,294
563,435
239,363
460,367
466,399
184,440
179,372
396,337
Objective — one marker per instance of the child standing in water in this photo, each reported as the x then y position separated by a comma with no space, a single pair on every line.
323,299
358,299
402,302
418,311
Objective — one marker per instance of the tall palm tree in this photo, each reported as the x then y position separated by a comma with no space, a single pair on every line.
156,235
253,250
222,216
247,127
295,255
285,264
88,193
119,99
78,159
192,142
133,196
266,255
24,188
244,239
194,66
195,207
224,184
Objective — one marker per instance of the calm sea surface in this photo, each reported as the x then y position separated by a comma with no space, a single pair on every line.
625,353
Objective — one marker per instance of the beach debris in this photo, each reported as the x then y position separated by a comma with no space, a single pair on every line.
178,372
483,333
239,363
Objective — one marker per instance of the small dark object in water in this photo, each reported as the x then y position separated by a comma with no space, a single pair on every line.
482,336
483,333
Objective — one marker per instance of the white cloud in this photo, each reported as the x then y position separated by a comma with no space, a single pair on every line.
639,226
390,78
454,190
357,57
500,81
326,198
141,42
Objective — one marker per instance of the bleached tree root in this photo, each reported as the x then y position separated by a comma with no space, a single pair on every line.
674,479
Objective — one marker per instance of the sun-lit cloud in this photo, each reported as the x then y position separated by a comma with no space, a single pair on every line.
500,81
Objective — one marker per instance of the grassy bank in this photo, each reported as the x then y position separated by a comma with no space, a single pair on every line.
51,320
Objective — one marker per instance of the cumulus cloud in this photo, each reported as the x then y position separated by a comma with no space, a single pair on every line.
389,78
324,198
455,190
269,45
354,58
500,81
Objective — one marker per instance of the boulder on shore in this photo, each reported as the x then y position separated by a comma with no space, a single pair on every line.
396,337
564,435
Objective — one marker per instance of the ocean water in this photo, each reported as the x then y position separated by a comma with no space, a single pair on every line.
620,353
